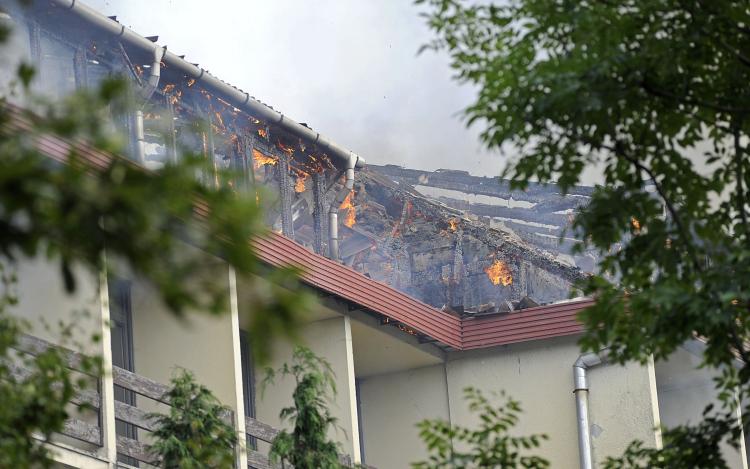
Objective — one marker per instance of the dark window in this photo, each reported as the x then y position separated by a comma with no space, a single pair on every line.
120,315
248,382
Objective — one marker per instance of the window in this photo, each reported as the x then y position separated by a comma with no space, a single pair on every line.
120,315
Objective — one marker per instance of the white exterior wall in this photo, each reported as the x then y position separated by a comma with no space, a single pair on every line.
330,339
392,405
539,375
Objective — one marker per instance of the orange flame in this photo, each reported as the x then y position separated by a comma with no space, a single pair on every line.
190,83
499,272
637,227
259,159
300,186
453,227
351,212
262,133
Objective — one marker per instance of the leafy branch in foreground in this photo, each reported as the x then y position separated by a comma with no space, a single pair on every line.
654,94
307,447
488,446
193,435
146,220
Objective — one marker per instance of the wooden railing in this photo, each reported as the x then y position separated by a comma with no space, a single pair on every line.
132,415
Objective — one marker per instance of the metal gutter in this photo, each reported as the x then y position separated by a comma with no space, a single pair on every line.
232,95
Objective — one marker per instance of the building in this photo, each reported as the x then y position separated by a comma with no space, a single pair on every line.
397,359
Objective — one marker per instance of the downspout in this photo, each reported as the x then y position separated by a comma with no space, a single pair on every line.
333,212
148,91
581,392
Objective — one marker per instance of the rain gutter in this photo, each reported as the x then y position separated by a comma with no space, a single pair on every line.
339,155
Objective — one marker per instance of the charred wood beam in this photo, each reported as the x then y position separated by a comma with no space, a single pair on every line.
285,188
464,182
35,41
80,69
528,215
169,115
246,152
210,152
522,251
497,240
548,242
559,204
129,64
320,223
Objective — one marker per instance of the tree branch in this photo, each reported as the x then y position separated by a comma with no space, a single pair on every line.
738,152
618,150
716,107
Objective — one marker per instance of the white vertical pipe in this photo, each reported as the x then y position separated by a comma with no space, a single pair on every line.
581,391
107,391
239,421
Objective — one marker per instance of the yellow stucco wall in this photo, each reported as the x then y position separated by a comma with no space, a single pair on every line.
685,391
331,339
539,374
391,405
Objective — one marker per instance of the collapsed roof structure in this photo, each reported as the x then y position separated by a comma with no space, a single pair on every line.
441,250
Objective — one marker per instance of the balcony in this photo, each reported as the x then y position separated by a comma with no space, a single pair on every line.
93,434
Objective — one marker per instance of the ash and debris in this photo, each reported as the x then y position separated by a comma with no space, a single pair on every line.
443,255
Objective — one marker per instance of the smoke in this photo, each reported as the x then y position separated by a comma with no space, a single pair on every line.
350,70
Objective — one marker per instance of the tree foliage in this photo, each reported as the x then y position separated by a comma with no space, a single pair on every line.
307,446
489,446
193,435
655,94
32,407
73,213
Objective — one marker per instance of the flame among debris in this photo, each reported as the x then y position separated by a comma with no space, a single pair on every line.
300,186
453,225
499,272
259,159
351,212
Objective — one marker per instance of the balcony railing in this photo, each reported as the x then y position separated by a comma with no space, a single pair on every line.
89,433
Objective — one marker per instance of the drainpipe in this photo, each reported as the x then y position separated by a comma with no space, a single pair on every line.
148,91
580,367
333,212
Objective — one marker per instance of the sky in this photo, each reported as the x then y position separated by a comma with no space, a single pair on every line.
349,69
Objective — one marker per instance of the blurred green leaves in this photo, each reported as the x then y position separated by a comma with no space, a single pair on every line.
490,445
655,95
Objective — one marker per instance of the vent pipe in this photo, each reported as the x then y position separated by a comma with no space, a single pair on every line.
581,391
148,91
339,155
